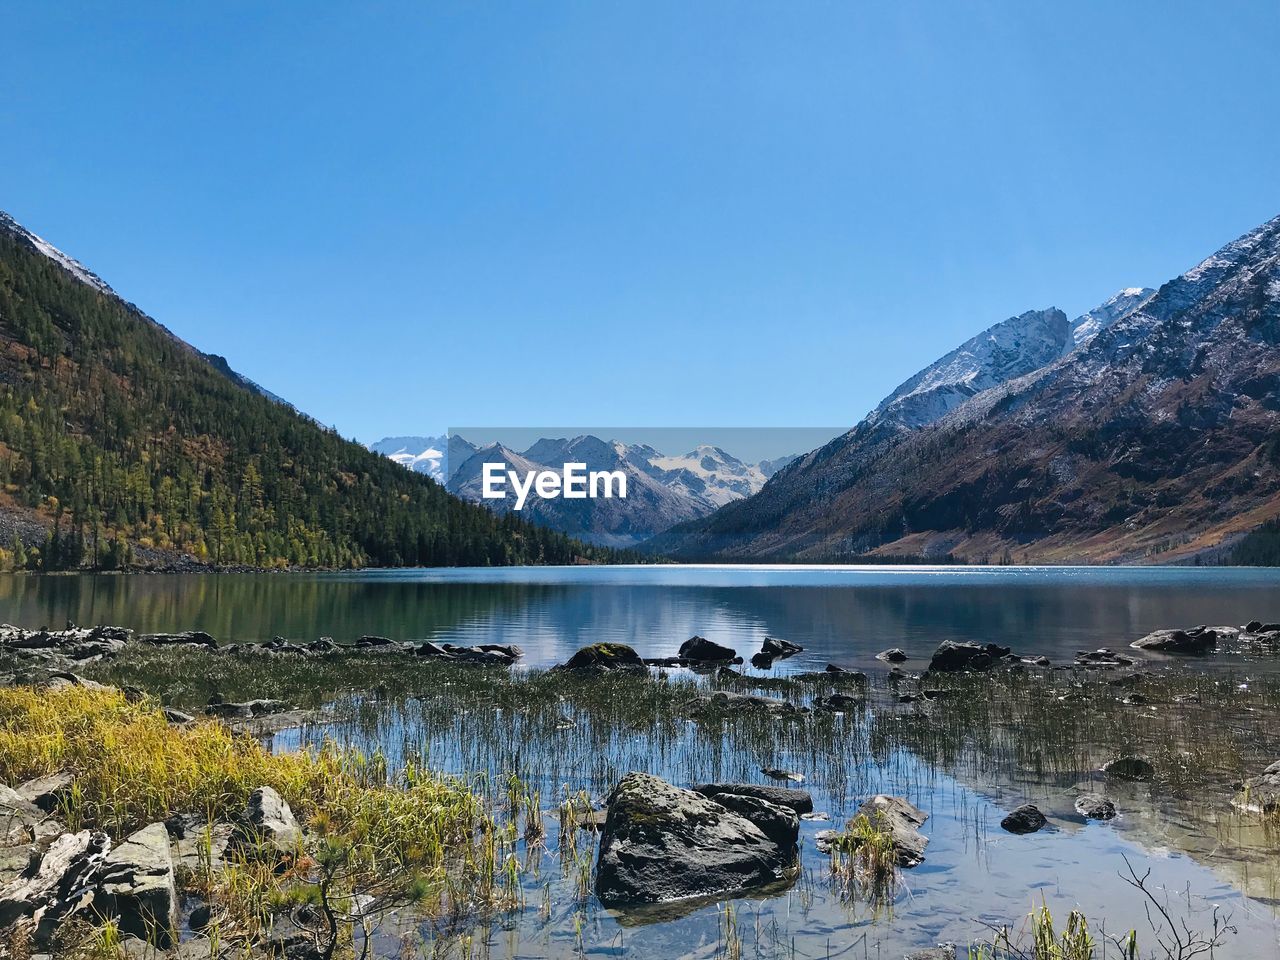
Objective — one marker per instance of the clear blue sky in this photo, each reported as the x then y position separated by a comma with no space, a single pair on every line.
406,216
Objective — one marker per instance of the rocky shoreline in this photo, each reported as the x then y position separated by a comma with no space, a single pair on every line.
660,843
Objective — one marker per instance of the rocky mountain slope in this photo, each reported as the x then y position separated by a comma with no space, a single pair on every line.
121,445
1154,437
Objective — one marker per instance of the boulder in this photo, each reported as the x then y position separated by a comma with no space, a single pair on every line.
952,656
801,801
1261,794
369,640
702,650
177,717
777,773
246,710
661,843
268,828
1102,657
57,887
137,886
1024,819
1091,806
601,657
943,951
892,655
1129,768
1197,640
199,844
780,824
21,821
902,820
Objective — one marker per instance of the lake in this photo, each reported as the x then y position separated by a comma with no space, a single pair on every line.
839,614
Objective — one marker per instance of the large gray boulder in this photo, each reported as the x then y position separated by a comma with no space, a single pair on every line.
702,650
268,828
661,843
1195,641
602,658
780,824
137,886
800,801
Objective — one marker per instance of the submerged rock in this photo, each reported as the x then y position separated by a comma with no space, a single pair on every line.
901,820
1024,819
722,702
775,773
892,655
599,657
943,951
1129,768
952,656
1091,806
838,703
661,843
1102,657
1197,640
801,801
137,886
702,650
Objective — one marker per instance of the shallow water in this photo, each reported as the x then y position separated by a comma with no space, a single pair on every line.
840,614
1200,854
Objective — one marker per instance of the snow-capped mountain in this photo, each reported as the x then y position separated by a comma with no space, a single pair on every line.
1154,435
79,271
662,490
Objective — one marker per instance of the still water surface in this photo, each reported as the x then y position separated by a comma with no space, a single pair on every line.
840,614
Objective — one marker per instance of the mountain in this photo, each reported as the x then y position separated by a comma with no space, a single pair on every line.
419,454
1155,437
121,443
661,490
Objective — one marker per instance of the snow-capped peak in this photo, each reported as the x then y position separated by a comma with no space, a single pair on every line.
1099,318
69,264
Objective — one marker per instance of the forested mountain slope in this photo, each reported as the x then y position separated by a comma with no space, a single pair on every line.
121,443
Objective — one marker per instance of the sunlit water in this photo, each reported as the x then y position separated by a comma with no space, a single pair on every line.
975,873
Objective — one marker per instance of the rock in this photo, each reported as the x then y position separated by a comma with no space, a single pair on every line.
198,844
952,656
1102,657
21,821
773,773
801,801
1024,819
774,649
485,654
892,655
722,702
323,645
369,640
1197,640
661,843
137,885
943,951
702,650
60,885
247,710
1261,794
780,824
268,827
901,819
599,657
1129,768
1091,806
196,638
46,793
177,717
838,703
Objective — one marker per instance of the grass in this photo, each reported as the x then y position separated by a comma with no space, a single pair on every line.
864,860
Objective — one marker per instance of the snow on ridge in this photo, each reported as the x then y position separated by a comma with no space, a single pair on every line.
69,264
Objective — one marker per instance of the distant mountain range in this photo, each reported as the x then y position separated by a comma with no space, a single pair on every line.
662,490
1147,429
